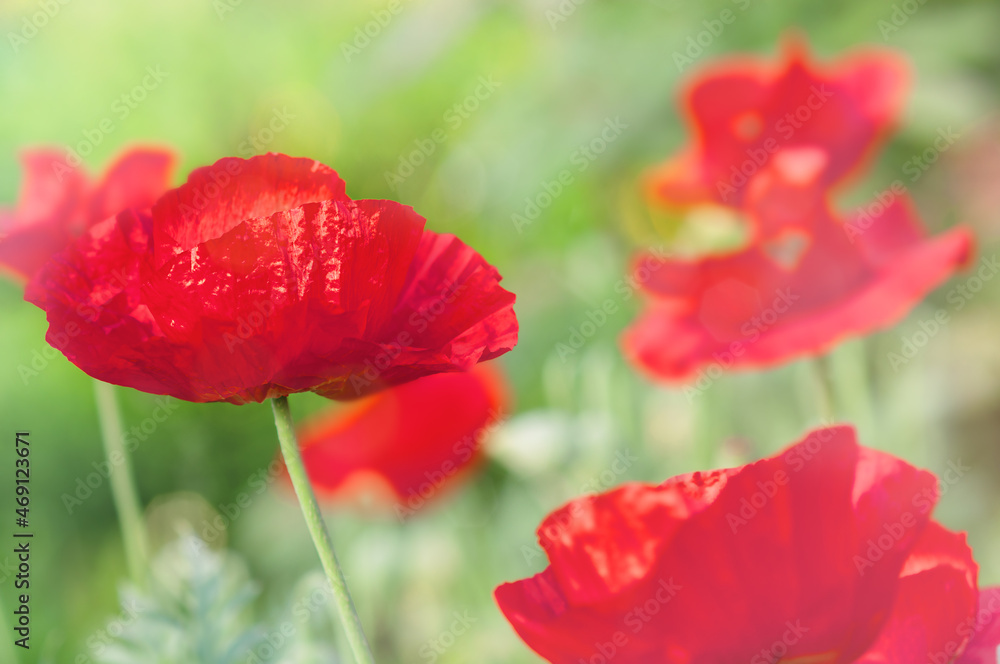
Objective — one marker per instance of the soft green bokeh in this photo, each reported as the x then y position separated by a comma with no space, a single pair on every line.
229,68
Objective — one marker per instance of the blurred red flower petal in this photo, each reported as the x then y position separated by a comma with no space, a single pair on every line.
741,110
798,557
807,281
417,438
984,646
58,202
220,294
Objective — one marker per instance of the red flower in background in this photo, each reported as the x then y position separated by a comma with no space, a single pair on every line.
807,280
409,442
59,202
258,278
824,553
742,110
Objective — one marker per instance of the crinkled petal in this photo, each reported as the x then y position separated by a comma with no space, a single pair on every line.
217,198
760,560
331,296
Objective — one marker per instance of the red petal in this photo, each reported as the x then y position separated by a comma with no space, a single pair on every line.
935,606
340,297
742,109
761,554
46,214
135,180
984,630
419,438
58,202
216,198
451,314
748,309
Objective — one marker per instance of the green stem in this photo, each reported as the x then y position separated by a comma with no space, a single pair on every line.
317,528
8,651
123,489
824,389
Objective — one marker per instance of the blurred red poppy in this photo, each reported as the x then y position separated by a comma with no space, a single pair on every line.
806,281
407,444
823,553
743,110
260,277
59,202
985,631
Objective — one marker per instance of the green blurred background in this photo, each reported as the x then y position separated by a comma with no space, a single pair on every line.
555,74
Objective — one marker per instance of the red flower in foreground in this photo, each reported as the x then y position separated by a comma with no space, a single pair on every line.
743,109
258,278
806,281
59,202
408,442
825,553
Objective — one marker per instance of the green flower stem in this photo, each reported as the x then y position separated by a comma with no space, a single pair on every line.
824,389
320,535
123,489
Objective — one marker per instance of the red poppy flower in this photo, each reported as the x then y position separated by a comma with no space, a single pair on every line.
409,442
806,281
985,631
258,278
58,202
743,110
824,553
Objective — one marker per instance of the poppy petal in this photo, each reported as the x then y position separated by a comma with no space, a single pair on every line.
935,603
761,560
339,297
418,438
742,109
